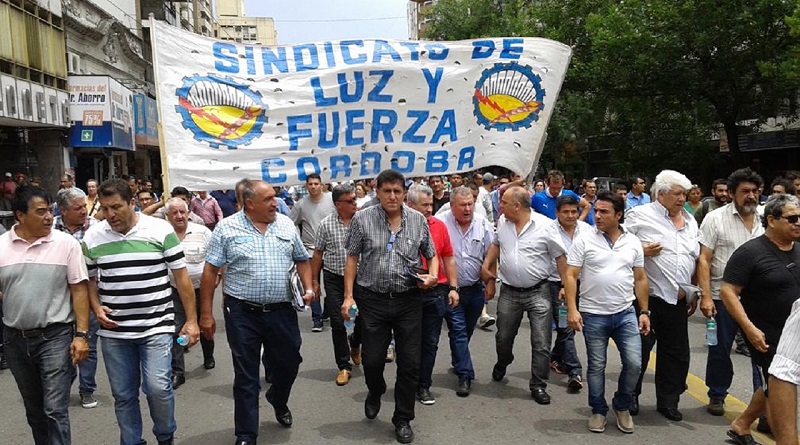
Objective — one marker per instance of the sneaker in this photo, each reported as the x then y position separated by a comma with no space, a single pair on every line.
559,368
88,401
486,321
597,423
716,406
742,350
317,326
390,355
575,384
624,421
424,396
343,377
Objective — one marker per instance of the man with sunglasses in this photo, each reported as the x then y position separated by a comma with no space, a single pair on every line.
382,241
764,273
329,258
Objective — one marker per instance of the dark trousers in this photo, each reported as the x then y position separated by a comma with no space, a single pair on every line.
334,298
205,344
669,327
383,315
564,351
434,308
247,331
178,362
42,367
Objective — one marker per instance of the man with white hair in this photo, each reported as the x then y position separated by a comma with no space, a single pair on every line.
74,220
669,236
194,240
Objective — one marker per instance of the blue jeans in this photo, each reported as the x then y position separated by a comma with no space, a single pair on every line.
719,367
564,351
461,322
144,362
434,307
87,369
248,330
624,329
42,367
511,305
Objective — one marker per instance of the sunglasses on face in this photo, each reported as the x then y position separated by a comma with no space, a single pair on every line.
791,219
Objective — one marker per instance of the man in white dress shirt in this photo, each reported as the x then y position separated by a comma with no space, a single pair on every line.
525,255
669,236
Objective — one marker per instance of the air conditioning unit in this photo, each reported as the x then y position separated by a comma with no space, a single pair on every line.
11,100
74,63
41,110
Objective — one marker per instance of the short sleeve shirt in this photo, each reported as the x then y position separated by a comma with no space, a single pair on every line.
607,284
257,263
770,285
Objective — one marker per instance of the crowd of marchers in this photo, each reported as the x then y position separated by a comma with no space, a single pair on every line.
387,262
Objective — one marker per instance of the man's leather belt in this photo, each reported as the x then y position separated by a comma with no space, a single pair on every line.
525,289
258,307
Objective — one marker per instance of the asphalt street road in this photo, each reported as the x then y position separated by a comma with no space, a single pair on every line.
496,412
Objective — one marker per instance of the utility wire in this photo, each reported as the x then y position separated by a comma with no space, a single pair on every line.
339,20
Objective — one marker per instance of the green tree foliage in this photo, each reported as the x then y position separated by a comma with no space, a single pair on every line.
659,76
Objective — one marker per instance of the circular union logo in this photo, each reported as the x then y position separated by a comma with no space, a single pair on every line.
220,111
508,96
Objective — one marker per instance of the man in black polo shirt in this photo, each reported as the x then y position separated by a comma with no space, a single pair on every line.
764,272
383,242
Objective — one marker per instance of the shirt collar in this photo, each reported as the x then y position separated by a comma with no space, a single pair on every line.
15,237
547,192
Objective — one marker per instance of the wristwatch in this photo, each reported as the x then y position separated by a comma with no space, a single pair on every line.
455,288
644,312
82,334
311,292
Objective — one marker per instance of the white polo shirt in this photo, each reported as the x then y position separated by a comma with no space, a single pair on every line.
606,271
524,257
560,241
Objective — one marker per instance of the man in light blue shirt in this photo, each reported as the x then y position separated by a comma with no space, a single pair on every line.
637,196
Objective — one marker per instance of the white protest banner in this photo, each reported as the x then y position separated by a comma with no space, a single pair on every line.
352,108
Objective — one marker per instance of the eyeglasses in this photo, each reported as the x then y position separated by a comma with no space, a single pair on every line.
791,219
347,201
392,239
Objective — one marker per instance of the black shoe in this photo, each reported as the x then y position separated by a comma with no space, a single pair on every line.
541,396
177,381
284,417
464,385
763,426
634,409
671,414
209,363
268,378
404,432
3,362
498,372
372,406
169,441
244,442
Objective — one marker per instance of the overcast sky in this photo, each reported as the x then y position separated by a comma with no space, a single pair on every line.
299,21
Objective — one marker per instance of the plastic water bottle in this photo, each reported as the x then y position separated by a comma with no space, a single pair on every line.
562,315
183,340
353,313
711,332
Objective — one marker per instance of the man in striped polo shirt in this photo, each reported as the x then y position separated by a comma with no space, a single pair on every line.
130,254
